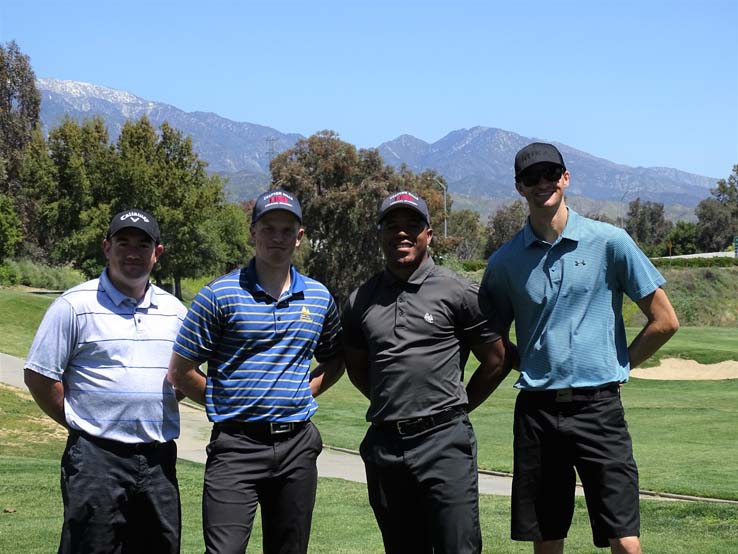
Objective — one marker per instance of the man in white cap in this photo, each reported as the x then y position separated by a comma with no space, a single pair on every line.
98,367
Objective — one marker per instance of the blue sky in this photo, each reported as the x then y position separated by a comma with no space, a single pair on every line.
639,82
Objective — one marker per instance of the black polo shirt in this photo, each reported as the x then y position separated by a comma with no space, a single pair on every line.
417,334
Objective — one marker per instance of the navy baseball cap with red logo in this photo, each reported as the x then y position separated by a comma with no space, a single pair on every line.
406,200
276,200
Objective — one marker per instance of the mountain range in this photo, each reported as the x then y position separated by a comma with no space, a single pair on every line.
476,162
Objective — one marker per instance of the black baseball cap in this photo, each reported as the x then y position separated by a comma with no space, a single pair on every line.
407,200
137,219
276,200
536,153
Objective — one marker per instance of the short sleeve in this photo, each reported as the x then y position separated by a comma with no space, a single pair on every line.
329,345
55,341
494,299
477,326
636,275
201,329
351,321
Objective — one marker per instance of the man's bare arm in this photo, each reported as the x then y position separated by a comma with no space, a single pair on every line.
357,367
494,366
325,375
661,325
48,394
186,377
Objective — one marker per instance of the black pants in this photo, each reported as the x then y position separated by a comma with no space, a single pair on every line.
423,488
119,498
279,472
552,438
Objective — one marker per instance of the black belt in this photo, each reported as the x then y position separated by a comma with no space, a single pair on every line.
580,394
117,446
419,424
270,428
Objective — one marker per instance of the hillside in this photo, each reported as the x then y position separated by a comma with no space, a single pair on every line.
702,297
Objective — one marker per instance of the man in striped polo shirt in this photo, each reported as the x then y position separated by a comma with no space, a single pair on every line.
98,367
258,329
562,280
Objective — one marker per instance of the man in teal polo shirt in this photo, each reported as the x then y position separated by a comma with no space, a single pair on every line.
562,280
258,329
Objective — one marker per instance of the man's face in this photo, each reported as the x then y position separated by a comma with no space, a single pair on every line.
131,256
542,185
275,236
404,237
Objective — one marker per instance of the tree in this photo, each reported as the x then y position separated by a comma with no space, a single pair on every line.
647,224
161,173
10,227
718,216
466,232
20,104
682,239
503,225
340,190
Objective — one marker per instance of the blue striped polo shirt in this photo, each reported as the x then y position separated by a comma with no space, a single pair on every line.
112,352
566,299
259,349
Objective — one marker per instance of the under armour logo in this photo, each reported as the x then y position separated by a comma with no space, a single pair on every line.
580,262
428,317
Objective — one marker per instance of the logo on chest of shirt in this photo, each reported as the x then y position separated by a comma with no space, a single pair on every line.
305,315
428,317
579,262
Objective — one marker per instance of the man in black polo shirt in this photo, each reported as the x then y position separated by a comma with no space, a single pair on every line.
408,332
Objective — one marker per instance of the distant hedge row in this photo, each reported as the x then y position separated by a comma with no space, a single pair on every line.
476,265
30,274
695,262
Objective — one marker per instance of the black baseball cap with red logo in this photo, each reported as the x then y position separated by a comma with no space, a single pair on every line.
404,199
276,200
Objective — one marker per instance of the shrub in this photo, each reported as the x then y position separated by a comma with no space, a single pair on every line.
30,274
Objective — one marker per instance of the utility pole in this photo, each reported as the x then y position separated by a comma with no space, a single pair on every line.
444,187
270,150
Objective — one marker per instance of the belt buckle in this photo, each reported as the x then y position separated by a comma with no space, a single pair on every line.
564,395
277,427
401,423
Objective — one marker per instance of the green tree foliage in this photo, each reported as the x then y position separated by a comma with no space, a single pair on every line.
647,225
718,216
10,227
340,190
465,235
75,181
682,239
20,104
503,225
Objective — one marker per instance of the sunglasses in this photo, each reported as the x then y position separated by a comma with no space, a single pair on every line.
549,172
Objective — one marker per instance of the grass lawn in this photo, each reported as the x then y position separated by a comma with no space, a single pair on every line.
21,314
31,448
685,433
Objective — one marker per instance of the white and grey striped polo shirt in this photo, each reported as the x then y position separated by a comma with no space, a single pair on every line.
112,353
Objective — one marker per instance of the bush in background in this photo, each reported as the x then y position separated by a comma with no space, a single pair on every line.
31,274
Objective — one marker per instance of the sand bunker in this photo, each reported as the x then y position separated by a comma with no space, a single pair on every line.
675,369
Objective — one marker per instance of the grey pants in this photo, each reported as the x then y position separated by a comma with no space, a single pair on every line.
278,472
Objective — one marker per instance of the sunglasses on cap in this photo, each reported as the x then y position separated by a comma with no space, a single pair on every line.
550,172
